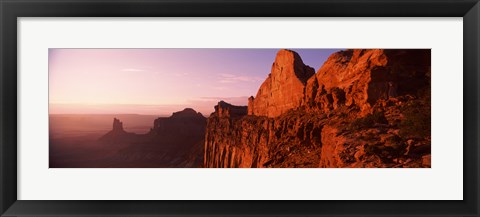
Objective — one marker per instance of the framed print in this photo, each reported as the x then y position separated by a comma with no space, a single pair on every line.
230,108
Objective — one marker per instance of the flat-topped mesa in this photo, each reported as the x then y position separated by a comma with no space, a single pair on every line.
362,77
284,88
223,109
117,125
180,121
187,113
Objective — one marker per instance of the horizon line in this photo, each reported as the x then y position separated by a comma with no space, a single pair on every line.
159,115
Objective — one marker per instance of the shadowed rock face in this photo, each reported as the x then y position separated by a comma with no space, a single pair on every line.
117,125
117,137
180,130
363,108
187,113
284,88
187,123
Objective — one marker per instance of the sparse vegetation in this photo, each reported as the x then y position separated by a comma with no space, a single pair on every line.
368,121
417,119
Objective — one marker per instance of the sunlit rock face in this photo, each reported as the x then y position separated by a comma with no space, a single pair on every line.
284,88
363,108
362,77
223,109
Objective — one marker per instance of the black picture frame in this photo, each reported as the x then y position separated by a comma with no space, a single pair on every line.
10,10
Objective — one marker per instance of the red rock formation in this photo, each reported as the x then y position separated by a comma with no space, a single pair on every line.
288,141
364,108
362,77
284,88
117,137
250,109
187,113
117,125
183,122
223,109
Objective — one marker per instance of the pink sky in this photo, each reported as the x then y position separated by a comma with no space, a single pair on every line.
158,81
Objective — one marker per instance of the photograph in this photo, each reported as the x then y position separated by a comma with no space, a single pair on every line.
239,108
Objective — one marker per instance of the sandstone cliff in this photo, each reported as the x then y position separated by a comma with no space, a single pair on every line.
284,88
291,140
363,108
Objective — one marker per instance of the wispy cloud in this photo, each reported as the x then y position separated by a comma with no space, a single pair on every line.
230,78
132,70
181,74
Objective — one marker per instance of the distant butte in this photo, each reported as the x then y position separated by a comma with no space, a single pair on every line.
187,113
175,141
117,125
